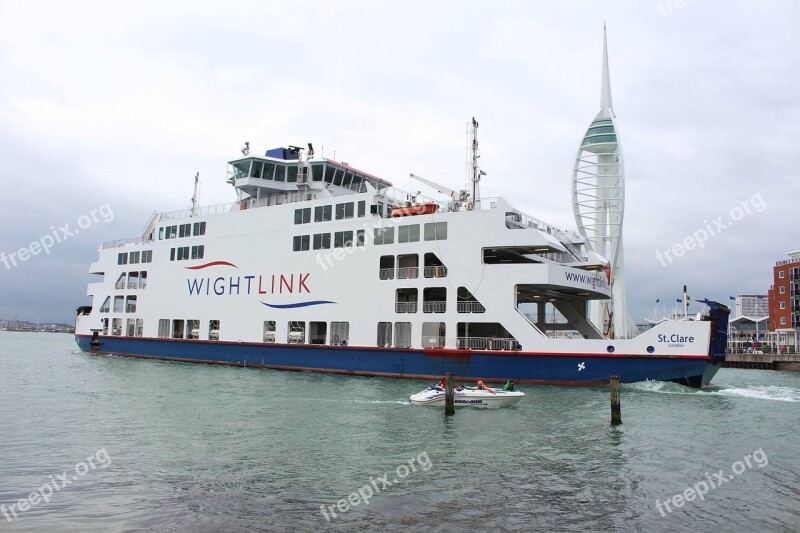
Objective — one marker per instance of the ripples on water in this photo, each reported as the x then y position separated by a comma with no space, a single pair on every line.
205,448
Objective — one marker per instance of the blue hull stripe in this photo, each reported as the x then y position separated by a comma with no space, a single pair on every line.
298,304
524,367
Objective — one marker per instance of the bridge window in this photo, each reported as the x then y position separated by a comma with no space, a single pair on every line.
329,172
256,170
241,169
269,171
316,172
280,173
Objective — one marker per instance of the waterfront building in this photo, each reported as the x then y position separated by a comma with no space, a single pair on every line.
784,302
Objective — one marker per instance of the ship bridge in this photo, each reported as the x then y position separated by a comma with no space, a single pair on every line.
283,170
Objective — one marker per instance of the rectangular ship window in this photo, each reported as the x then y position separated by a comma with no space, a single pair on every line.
322,213
340,333
342,239
199,228
163,328
362,208
408,233
344,211
436,231
301,243
322,241
385,334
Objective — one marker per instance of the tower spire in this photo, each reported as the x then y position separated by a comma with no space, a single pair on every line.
606,106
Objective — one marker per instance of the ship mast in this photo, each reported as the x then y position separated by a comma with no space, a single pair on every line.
475,171
196,195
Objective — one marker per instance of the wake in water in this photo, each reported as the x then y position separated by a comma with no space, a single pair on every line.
759,392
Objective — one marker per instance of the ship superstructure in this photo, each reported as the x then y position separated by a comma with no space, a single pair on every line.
318,265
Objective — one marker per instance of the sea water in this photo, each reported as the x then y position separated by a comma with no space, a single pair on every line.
104,443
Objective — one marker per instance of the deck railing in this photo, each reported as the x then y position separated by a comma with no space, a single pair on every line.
405,307
433,341
486,343
408,273
434,307
470,307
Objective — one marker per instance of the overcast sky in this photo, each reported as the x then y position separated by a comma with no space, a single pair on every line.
121,104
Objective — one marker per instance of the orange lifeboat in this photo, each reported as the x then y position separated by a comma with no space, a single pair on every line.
416,209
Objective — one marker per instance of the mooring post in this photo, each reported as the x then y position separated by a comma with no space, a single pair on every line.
449,395
616,417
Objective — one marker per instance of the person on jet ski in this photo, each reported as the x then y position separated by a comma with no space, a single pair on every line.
482,386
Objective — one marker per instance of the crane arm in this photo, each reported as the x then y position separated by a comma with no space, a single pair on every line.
440,188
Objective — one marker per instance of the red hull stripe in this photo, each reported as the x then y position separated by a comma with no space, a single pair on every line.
212,263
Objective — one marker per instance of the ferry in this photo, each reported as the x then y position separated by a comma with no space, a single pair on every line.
319,266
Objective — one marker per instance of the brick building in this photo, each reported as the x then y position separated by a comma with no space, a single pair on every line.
784,301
